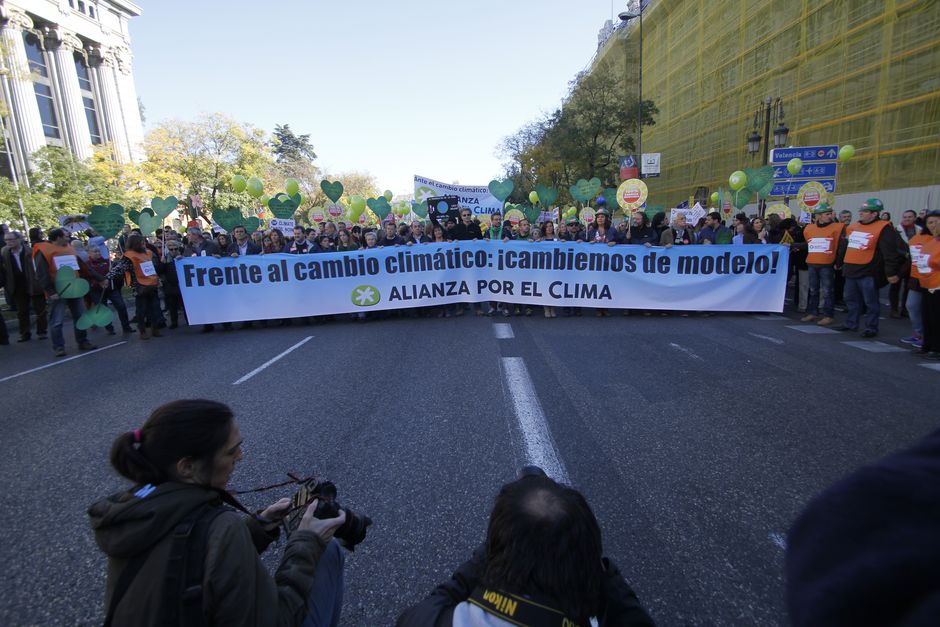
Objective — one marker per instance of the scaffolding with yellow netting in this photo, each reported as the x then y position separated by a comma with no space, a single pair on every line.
860,72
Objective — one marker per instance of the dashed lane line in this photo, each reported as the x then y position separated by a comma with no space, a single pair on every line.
503,331
814,329
685,350
272,360
876,347
540,448
62,361
766,337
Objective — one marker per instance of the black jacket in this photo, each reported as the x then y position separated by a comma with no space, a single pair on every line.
622,608
467,231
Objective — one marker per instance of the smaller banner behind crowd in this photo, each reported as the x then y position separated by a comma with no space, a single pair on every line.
695,278
477,198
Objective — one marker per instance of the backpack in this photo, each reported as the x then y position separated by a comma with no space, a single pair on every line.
182,592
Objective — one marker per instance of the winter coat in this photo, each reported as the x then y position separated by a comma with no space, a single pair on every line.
237,587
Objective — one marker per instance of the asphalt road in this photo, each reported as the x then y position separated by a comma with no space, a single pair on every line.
696,440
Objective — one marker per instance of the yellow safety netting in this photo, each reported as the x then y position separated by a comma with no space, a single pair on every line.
860,72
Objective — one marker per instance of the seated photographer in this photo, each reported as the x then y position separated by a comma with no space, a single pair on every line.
177,551
541,565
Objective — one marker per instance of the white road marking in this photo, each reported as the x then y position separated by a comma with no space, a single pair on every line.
766,337
685,350
62,361
811,328
503,331
931,366
770,317
272,360
779,540
539,446
876,347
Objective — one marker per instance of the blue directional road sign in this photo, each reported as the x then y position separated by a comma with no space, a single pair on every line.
791,188
806,153
810,171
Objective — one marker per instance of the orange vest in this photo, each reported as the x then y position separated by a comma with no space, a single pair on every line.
819,237
863,242
930,250
50,251
916,244
144,270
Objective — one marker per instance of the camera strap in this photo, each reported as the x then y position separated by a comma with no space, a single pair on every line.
519,610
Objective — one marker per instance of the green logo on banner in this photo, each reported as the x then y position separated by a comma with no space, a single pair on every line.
365,296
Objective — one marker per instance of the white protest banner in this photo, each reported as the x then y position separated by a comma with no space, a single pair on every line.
284,226
701,278
692,214
477,198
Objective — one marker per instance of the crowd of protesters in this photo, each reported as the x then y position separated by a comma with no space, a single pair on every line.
835,265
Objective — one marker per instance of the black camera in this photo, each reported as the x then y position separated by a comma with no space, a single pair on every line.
350,533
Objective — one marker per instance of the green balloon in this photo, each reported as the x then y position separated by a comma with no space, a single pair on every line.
358,204
534,197
794,166
70,285
737,180
388,195
239,183
846,152
255,187
714,198
97,316
292,186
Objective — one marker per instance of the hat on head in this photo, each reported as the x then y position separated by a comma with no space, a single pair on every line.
822,208
872,204
602,211
572,221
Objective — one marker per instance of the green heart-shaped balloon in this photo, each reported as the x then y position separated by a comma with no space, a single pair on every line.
740,198
420,209
149,224
229,218
332,190
760,180
163,207
284,206
583,190
107,221
501,190
134,215
97,316
251,224
547,195
379,207
532,214
70,285
610,198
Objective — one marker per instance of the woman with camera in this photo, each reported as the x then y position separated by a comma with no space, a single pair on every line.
178,553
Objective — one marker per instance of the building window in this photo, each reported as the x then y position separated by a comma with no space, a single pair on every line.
50,123
89,99
81,68
81,6
91,11
35,54
72,3
92,116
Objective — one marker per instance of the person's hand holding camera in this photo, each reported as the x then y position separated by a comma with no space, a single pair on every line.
324,528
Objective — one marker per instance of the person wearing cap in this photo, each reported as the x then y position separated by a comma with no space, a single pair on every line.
602,231
928,277
869,258
822,243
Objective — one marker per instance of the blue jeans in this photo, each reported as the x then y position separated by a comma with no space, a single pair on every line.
115,298
858,291
914,300
821,279
326,593
57,317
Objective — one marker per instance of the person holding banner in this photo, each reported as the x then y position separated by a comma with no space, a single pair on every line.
143,266
822,242
572,232
49,257
868,254
640,232
497,229
197,246
679,234
602,231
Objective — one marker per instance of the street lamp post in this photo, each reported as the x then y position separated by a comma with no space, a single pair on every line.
770,108
626,16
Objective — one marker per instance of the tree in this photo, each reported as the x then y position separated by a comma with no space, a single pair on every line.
582,139
291,147
200,158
